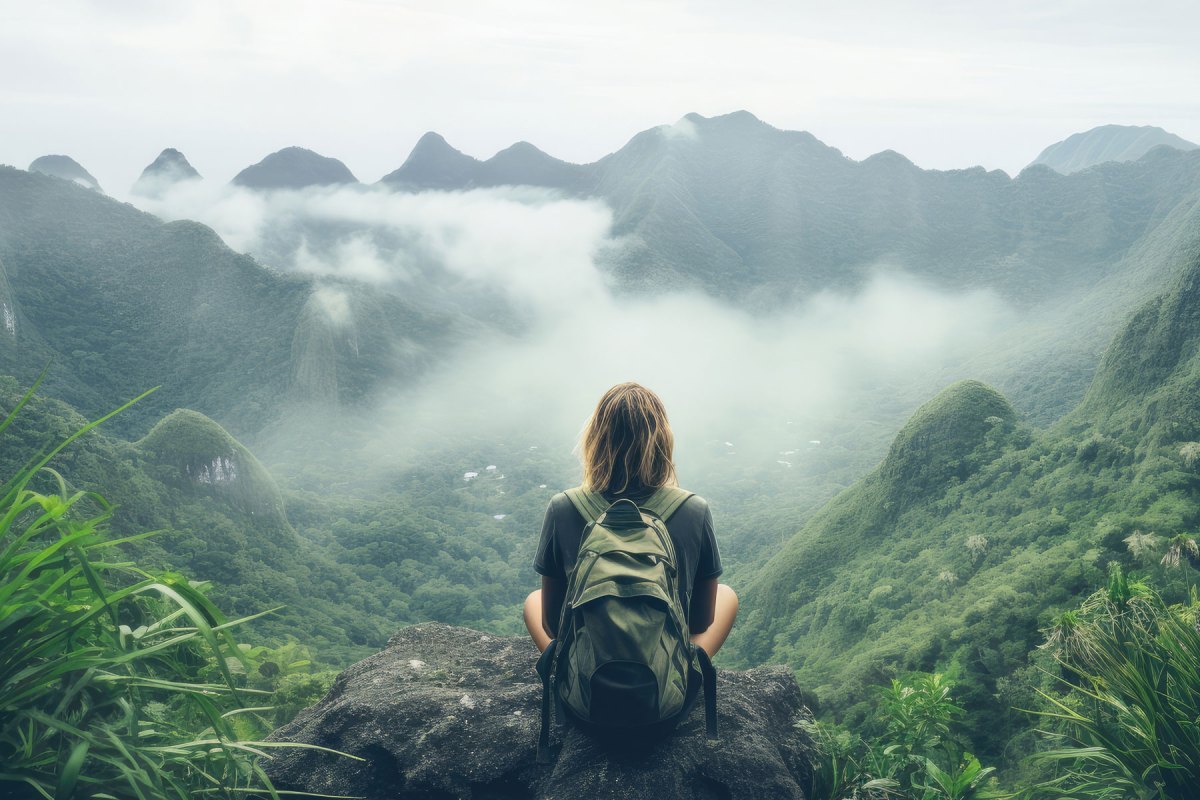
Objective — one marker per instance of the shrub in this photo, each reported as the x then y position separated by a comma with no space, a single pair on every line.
1130,717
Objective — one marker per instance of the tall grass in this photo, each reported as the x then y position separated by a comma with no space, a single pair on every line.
114,682
1132,716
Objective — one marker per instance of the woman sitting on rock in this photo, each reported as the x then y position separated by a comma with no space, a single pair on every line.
626,450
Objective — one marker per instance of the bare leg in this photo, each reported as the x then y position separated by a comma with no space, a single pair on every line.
726,612
533,620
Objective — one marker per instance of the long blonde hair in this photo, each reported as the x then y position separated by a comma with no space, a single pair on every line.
627,442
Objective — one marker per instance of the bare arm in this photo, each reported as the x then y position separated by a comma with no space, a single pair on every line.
554,591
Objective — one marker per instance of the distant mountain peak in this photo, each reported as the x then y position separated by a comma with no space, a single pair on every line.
66,168
523,147
432,146
1108,143
889,157
169,168
740,116
294,168
433,139
434,164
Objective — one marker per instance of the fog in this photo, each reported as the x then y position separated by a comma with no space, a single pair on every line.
736,383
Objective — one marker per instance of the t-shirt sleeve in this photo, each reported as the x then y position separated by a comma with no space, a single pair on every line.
709,564
546,562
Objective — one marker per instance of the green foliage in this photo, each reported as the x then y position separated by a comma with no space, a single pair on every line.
104,667
205,458
1131,670
916,755
968,539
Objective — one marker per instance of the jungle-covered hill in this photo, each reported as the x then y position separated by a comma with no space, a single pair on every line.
977,530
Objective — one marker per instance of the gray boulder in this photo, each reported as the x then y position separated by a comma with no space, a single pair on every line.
446,713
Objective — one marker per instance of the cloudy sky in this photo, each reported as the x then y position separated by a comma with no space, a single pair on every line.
949,84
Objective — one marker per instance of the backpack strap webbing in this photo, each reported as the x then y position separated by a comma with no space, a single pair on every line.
662,504
666,501
589,504
544,668
710,692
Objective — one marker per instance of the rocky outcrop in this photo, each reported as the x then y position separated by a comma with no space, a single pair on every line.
445,713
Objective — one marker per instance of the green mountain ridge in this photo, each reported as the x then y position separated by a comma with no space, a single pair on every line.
756,214
976,530
117,301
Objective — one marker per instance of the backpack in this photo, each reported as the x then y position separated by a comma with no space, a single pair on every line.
623,662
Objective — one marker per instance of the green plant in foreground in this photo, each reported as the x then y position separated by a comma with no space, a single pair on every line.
101,663
1131,717
916,758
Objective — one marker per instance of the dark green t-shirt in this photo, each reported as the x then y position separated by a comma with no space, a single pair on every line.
690,527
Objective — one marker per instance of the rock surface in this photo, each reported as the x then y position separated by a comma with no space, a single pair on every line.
445,713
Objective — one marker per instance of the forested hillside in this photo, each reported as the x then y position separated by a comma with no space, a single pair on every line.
117,301
976,531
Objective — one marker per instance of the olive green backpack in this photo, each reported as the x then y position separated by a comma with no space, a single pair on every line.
623,662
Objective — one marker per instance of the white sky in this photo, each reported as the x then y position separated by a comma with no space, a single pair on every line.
949,84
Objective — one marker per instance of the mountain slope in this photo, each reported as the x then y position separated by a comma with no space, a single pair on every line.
117,301
976,530
759,215
1107,143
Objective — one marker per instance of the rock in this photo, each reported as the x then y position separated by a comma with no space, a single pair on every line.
446,713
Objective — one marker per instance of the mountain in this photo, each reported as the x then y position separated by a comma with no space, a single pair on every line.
976,530
761,217
1146,385
434,164
294,168
66,168
117,301
169,168
758,215
1107,143
207,460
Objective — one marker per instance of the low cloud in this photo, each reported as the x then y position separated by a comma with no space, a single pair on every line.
683,129
767,382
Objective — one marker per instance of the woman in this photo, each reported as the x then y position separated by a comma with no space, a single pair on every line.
626,450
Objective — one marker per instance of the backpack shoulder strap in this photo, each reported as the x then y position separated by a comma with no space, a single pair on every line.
666,501
589,504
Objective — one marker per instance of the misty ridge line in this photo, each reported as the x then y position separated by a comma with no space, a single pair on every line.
432,157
